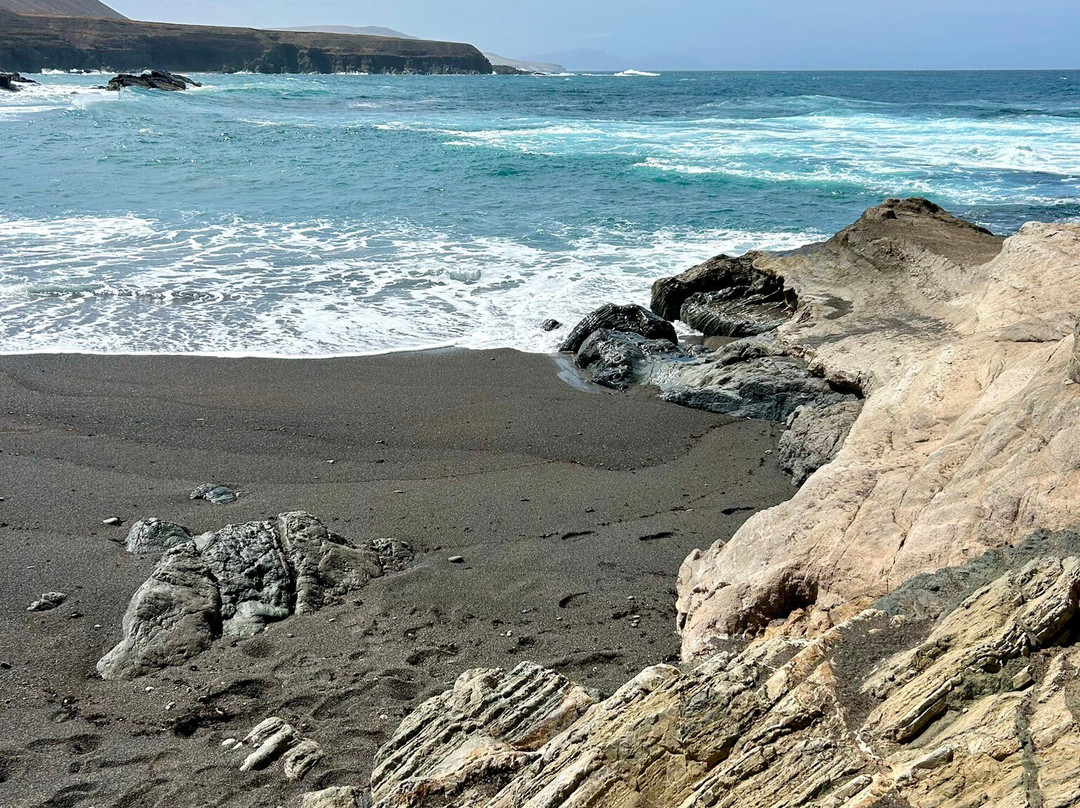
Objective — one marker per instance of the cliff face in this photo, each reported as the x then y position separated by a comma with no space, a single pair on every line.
905,632
33,43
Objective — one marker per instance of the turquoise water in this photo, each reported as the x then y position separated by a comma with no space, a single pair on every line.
314,215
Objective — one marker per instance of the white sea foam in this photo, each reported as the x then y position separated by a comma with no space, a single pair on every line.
130,285
644,73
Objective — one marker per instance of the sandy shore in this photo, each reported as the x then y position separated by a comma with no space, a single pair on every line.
572,507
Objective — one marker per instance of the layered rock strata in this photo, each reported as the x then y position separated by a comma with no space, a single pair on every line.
956,690
904,631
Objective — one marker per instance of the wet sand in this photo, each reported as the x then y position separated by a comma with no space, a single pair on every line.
573,508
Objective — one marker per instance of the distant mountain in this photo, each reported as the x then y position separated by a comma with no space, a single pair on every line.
63,8
528,67
587,59
369,30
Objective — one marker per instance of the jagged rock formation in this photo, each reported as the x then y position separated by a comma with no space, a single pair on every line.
957,690
827,680
236,582
968,438
152,80
12,81
475,736
33,43
624,319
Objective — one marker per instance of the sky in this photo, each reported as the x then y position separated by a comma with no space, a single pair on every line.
696,34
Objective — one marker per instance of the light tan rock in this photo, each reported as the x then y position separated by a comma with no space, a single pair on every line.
787,722
969,437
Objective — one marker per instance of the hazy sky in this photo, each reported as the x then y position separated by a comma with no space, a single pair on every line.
720,34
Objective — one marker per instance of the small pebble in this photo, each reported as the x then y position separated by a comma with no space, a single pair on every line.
229,743
149,689
113,521
457,559
170,705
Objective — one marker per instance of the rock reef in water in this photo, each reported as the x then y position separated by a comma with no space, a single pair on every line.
237,581
906,630
11,82
34,43
152,80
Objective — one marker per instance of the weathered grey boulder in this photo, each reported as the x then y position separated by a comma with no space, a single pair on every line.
815,434
770,388
336,797
615,359
237,581
154,536
627,319
215,494
735,312
174,616
721,272
47,602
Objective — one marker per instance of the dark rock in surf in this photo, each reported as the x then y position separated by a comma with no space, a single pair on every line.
152,80
11,81
742,300
550,325
626,319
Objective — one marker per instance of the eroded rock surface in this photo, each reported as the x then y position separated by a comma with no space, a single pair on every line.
155,536
969,436
816,433
937,705
236,582
152,80
626,319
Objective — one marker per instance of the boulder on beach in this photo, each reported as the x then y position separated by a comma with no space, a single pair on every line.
215,494
152,80
631,319
155,536
236,582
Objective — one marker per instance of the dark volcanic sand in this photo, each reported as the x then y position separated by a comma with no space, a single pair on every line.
547,490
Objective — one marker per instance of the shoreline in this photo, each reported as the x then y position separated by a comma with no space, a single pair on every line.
582,504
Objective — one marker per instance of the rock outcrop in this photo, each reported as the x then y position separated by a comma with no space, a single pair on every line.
12,82
623,319
152,80
956,690
906,630
968,438
34,43
237,581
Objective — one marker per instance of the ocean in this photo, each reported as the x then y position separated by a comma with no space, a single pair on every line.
350,214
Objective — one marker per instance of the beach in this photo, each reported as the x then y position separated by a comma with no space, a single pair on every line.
571,508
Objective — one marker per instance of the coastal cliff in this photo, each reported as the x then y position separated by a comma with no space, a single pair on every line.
903,631
30,44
